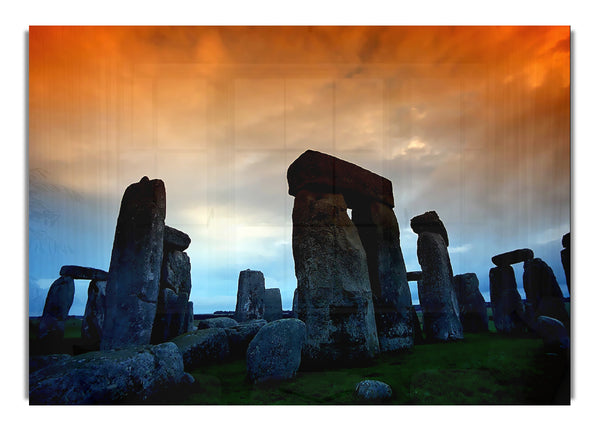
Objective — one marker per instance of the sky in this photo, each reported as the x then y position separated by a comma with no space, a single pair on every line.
472,122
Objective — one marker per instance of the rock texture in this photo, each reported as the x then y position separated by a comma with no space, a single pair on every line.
203,347
276,351
372,392
511,257
217,322
93,318
273,310
565,258
109,377
56,309
543,293
239,336
83,273
135,266
175,239
554,334
429,222
379,233
507,305
414,276
471,305
295,304
416,326
441,321
250,296
334,294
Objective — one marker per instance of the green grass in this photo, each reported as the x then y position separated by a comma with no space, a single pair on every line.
481,369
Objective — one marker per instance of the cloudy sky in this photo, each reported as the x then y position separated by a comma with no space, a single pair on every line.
472,122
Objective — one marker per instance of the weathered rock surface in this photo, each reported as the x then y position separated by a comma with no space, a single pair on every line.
511,257
276,351
471,305
124,376
83,273
372,391
429,222
93,318
295,304
135,266
507,305
239,336
189,318
319,172
542,290
205,346
441,321
334,294
378,230
250,296
414,275
273,309
175,239
416,326
554,334
56,310
217,322
37,362
174,292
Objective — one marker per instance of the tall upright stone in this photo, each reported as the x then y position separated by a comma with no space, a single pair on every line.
56,310
135,266
250,296
273,308
507,305
93,318
441,321
471,305
295,304
542,291
565,258
378,230
334,295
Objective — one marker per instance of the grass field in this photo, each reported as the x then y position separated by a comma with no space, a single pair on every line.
481,369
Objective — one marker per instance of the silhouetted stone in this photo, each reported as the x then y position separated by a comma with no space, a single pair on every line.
414,276
134,375
511,257
93,318
553,333
295,304
334,295
429,222
441,321
175,288
203,347
472,307
273,310
189,318
217,322
542,290
372,392
250,296
416,326
378,230
275,352
175,239
565,258
507,305
319,172
135,266
239,336
56,310
83,273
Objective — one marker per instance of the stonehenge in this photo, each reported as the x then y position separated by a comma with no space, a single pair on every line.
441,320
250,296
543,295
471,305
56,309
352,289
273,310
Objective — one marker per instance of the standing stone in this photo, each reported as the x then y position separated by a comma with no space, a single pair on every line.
441,321
511,257
174,293
429,222
135,266
250,296
543,293
275,352
565,257
416,326
93,318
473,311
273,309
378,229
334,294
295,304
507,305
189,318
56,310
